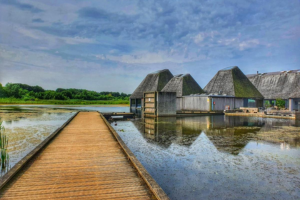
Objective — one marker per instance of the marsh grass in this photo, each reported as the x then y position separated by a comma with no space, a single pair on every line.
3,146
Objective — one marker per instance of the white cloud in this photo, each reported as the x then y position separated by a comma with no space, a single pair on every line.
227,42
198,38
248,44
152,58
51,39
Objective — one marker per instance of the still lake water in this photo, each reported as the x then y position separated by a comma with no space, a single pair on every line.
218,157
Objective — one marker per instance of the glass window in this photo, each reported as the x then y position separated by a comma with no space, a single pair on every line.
133,102
139,103
251,103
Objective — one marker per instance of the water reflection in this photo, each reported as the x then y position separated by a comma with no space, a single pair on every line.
228,134
218,157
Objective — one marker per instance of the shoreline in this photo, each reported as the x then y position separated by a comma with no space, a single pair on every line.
70,105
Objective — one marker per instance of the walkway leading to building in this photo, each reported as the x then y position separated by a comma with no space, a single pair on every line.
84,161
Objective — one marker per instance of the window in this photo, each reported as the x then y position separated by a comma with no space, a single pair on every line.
139,103
132,102
251,103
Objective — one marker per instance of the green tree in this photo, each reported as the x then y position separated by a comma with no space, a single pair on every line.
280,103
267,104
27,92
60,96
49,94
3,93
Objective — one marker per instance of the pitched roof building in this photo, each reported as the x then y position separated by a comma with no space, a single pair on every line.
183,84
155,81
275,85
233,82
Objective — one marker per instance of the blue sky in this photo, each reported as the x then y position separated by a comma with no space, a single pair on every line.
108,45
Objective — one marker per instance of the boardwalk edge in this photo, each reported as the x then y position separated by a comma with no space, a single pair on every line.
15,169
151,183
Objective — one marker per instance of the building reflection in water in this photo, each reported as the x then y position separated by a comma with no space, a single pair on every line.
284,146
227,134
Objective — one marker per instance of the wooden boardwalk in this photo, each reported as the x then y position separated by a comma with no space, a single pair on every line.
83,162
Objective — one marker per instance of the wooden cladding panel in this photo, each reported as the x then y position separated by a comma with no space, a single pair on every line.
150,110
149,100
147,95
149,105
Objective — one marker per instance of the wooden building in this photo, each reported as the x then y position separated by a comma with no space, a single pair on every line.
232,83
279,85
158,104
182,84
211,102
154,82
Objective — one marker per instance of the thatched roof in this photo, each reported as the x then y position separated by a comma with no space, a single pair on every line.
296,93
232,81
183,85
155,81
274,85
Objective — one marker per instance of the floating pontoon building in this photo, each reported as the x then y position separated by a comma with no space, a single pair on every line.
153,82
182,84
279,85
161,94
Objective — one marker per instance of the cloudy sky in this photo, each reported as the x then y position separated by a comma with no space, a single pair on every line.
109,45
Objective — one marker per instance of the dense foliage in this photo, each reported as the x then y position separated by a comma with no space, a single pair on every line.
280,103
2,92
267,104
26,92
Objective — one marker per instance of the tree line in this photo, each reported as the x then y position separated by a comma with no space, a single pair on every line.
27,92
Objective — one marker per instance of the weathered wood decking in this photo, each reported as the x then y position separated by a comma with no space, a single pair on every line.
83,162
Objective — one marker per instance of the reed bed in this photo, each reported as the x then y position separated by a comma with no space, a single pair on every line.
3,146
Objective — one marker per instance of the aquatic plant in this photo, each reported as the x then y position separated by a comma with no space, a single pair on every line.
3,146
4,158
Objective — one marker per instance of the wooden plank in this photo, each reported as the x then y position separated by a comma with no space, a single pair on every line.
149,100
153,186
147,95
30,155
84,161
150,110
149,105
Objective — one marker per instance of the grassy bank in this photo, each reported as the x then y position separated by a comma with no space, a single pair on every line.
62,102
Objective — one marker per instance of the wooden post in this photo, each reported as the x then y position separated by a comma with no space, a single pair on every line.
297,115
297,118
155,103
